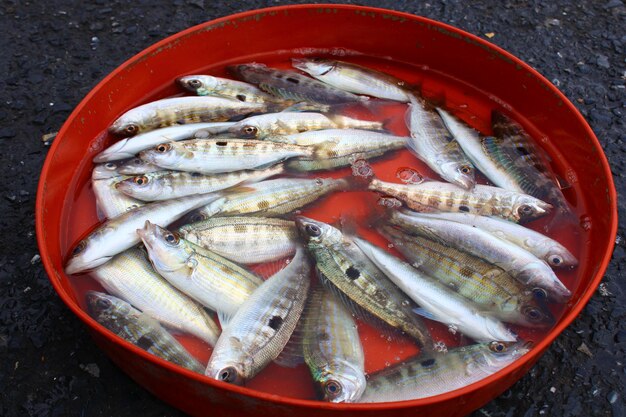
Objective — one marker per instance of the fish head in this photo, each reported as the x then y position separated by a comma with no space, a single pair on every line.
85,256
132,122
496,355
199,84
251,72
100,304
344,386
461,174
246,129
559,257
535,312
230,374
528,208
166,249
316,233
136,166
143,187
544,283
163,153
106,170
315,66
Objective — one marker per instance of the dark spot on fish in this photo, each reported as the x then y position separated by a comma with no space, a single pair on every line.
263,204
293,80
240,228
411,372
221,143
428,363
144,342
394,377
196,174
241,97
302,129
434,201
332,154
275,322
465,271
323,337
464,208
522,150
353,273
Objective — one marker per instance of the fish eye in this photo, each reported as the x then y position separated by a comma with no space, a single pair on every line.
332,388
228,374
313,230
195,83
540,293
137,161
110,165
525,210
131,129
141,180
556,260
79,248
533,314
497,347
466,169
171,238
103,303
164,147
250,130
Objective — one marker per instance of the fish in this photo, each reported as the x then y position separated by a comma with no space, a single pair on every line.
437,373
354,78
473,144
119,233
513,147
540,245
339,147
109,201
180,110
493,290
291,85
165,185
345,269
289,123
130,276
483,200
332,349
208,85
211,280
214,156
436,301
271,198
431,142
262,326
129,147
521,264
245,240
139,329
136,166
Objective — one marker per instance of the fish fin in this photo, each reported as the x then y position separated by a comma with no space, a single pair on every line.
224,319
292,354
99,213
239,189
349,225
426,314
304,106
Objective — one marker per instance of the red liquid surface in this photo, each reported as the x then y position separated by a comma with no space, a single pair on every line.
461,99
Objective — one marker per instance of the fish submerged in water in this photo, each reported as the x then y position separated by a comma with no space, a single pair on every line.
353,78
139,329
332,349
291,85
110,202
434,374
262,326
214,156
180,110
208,85
345,269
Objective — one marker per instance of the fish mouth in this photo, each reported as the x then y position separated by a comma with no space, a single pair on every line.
465,182
78,265
113,152
299,63
148,234
183,82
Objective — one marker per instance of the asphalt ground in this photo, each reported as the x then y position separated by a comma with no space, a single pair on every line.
53,52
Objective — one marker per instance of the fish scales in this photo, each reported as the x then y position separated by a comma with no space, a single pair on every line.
110,202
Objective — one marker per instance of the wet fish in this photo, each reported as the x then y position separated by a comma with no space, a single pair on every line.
181,110
139,329
431,142
208,278
245,240
290,123
482,199
271,198
130,276
165,185
436,301
343,267
434,374
214,156
208,85
109,201
354,78
119,233
492,289
291,85
263,324
521,264
340,147
332,349
129,147
514,148
136,166
542,246
473,144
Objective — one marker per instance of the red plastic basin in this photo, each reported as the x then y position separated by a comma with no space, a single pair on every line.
398,37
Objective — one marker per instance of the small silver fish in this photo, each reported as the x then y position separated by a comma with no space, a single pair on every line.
208,85
109,201
262,326
139,329
136,166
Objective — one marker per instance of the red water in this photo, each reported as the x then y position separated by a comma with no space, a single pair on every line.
471,105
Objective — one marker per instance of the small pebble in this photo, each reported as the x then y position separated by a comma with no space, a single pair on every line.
612,397
603,61
585,349
35,259
92,369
